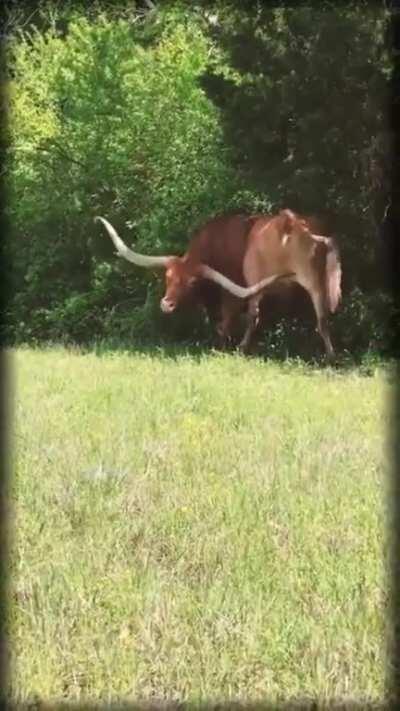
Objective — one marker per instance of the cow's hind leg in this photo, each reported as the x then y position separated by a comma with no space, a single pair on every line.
321,311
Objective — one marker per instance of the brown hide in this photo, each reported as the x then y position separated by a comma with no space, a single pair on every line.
290,243
286,298
221,244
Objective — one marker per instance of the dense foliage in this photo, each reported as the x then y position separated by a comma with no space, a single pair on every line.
307,106
160,117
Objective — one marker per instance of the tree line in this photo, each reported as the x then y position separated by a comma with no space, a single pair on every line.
161,115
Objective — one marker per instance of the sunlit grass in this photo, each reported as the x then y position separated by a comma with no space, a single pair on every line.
196,528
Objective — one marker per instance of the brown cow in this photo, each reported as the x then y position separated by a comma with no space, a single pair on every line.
285,243
215,253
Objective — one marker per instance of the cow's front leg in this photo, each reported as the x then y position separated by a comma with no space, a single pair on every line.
230,308
253,320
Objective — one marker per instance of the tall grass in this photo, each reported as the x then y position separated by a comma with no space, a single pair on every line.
196,528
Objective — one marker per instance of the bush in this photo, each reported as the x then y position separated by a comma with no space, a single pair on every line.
102,122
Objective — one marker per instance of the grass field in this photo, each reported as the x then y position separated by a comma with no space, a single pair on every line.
196,528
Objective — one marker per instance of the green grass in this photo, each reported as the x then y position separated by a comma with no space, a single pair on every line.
196,528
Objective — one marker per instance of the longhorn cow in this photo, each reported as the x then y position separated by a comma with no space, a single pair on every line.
215,254
249,255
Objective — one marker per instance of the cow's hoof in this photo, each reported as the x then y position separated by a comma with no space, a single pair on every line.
243,348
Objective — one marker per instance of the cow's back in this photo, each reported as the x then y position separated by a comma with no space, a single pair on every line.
221,244
268,245
284,298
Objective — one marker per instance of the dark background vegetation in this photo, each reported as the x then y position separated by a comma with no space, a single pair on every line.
160,115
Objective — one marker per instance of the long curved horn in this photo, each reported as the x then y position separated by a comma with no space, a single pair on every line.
241,292
141,260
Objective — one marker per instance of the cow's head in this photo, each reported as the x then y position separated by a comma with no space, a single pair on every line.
180,278
181,274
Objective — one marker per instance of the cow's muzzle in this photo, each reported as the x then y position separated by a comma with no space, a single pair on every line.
167,306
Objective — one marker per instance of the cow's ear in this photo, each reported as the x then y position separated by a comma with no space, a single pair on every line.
288,220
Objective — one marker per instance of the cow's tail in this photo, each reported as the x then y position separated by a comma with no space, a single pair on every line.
333,275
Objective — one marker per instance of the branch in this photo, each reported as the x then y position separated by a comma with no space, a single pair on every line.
15,20
63,154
